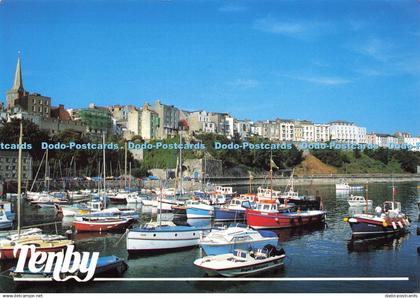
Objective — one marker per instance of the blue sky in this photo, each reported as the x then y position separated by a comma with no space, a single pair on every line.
315,60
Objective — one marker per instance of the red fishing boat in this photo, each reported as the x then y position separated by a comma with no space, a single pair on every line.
102,224
274,216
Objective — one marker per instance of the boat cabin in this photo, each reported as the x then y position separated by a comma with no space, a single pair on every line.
240,202
95,206
217,198
357,198
271,208
291,194
248,196
268,193
391,205
225,190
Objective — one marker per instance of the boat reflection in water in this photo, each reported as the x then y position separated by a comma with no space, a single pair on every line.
198,222
386,242
288,234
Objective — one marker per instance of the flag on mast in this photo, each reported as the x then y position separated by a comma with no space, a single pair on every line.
273,164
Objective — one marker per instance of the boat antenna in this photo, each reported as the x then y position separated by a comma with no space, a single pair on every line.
271,174
19,191
367,197
160,203
125,165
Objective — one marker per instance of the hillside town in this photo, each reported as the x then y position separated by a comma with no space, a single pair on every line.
160,121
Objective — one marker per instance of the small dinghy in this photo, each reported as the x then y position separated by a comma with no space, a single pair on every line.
107,265
242,262
106,224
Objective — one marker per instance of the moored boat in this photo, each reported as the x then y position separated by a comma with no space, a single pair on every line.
388,221
199,209
242,262
274,216
105,265
43,243
355,201
163,236
223,241
234,211
102,224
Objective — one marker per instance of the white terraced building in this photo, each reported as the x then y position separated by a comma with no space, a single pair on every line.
347,132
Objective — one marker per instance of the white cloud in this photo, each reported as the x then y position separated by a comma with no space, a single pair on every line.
244,83
376,49
300,30
321,80
232,8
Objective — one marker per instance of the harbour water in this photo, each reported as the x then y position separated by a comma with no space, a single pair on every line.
322,251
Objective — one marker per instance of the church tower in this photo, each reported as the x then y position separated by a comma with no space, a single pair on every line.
17,90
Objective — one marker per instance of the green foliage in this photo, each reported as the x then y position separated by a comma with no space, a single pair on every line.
332,157
9,133
251,159
67,162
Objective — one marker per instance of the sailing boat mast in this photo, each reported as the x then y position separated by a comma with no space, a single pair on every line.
104,167
129,178
125,165
46,171
180,165
37,172
19,191
203,179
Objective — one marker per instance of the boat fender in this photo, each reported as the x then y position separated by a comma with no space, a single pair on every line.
400,224
385,224
353,220
276,219
394,225
292,220
300,219
345,219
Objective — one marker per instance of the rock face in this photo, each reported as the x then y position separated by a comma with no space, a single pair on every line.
312,165
195,168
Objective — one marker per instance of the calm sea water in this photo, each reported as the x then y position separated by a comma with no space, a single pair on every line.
324,251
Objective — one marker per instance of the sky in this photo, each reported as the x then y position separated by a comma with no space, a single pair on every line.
318,60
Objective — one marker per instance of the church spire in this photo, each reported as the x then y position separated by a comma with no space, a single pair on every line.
18,84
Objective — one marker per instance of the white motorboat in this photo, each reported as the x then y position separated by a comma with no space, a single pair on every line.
355,201
163,236
223,241
133,198
344,186
242,262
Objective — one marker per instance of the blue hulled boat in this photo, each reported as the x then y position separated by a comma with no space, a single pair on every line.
236,237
